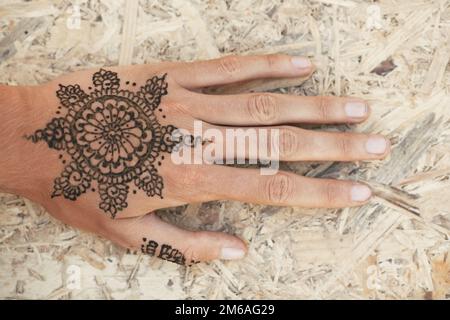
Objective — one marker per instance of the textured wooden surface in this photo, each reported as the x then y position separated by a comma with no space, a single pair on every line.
395,247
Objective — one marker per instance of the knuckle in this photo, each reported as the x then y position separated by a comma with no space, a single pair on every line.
344,145
288,143
333,192
194,249
323,108
263,108
230,65
278,188
272,60
175,107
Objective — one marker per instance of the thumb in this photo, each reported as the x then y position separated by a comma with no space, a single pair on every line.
151,235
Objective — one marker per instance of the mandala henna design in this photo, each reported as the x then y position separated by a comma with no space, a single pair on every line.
112,137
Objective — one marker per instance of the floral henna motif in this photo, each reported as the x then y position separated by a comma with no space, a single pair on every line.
112,137
53,134
150,182
70,95
113,198
72,183
105,79
153,91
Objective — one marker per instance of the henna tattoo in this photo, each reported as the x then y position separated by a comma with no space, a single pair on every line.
149,247
166,252
112,137
170,254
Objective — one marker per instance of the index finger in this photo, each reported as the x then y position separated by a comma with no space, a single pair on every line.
231,69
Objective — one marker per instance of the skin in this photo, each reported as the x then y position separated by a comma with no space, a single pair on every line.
29,169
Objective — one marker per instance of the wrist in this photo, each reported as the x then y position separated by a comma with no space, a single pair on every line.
19,107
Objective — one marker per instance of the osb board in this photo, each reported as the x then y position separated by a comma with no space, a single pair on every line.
395,247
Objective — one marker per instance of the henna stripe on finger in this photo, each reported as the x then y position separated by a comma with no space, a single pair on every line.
149,247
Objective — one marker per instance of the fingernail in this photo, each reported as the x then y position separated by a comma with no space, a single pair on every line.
356,109
231,254
301,62
376,145
360,192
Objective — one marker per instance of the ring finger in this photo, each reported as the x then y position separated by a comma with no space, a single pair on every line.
287,143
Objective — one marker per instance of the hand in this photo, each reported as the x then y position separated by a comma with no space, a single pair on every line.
110,134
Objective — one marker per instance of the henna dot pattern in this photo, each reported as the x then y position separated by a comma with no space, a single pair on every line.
112,137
